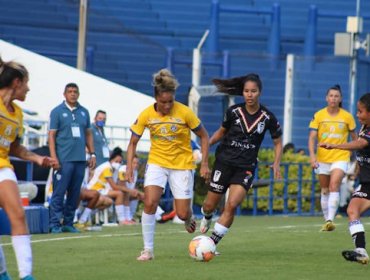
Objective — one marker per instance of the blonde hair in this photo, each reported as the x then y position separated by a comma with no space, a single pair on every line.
164,81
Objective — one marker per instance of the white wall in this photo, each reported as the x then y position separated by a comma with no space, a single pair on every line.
49,77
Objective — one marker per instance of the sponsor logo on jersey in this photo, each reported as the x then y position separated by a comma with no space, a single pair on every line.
8,130
216,187
260,127
360,194
242,145
163,130
173,128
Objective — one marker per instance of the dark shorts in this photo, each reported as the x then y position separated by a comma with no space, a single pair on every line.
225,175
363,191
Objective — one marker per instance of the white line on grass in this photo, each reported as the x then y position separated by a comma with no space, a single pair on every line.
157,233
53,239
95,235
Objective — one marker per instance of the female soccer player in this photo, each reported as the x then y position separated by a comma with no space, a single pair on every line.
360,201
241,135
331,124
103,182
170,156
130,203
14,85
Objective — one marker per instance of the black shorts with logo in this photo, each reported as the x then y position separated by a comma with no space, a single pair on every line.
225,175
363,191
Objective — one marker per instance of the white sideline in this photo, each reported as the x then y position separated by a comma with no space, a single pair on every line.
139,233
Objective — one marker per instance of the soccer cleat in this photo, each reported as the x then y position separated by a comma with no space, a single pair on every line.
205,224
127,223
167,217
190,225
80,227
177,220
28,277
5,276
146,255
70,229
328,226
56,230
358,255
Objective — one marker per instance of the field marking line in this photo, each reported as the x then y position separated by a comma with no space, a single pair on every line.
163,232
95,235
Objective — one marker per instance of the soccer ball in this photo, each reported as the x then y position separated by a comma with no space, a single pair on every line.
202,248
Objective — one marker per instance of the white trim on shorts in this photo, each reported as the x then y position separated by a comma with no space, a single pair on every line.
7,173
327,168
181,181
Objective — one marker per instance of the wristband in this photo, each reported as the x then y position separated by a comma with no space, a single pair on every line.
93,155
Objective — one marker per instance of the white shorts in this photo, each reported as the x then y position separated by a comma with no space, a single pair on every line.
7,173
104,191
181,181
327,168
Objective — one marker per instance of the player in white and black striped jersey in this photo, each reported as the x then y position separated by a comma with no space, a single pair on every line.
241,135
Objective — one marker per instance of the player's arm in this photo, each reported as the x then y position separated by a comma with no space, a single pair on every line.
52,147
131,150
358,144
353,135
20,151
311,148
278,148
90,147
202,133
217,136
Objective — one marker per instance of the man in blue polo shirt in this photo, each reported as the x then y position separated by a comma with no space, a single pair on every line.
69,134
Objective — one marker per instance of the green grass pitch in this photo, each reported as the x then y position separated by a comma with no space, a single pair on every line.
255,248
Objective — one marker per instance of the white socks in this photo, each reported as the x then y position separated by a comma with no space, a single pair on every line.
220,229
333,204
23,254
133,207
148,228
324,205
126,212
85,216
120,213
158,213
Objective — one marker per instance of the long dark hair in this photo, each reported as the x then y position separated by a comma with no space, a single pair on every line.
235,86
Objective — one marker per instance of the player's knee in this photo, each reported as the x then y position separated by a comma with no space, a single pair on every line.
208,207
352,213
183,215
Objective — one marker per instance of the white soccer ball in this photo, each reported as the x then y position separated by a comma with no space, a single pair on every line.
202,248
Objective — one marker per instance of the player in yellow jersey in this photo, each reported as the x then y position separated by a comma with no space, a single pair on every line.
103,182
333,125
14,86
170,156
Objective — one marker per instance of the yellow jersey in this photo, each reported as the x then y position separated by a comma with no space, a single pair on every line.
169,136
11,128
333,130
99,179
